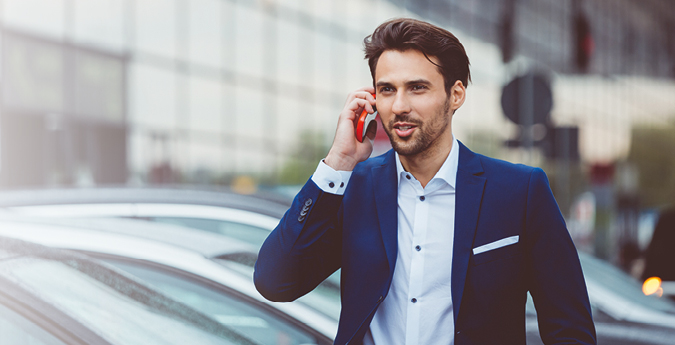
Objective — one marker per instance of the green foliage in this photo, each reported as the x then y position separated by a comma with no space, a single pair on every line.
653,153
304,158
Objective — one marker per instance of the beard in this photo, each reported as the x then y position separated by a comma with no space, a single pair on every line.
425,134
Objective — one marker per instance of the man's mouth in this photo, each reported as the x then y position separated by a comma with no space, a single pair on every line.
404,129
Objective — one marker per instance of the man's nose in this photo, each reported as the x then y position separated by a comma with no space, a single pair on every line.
401,105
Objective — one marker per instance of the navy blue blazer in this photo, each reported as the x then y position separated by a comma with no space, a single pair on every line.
357,232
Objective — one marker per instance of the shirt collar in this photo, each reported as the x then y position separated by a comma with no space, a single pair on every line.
447,172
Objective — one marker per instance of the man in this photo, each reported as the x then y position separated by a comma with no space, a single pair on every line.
437,244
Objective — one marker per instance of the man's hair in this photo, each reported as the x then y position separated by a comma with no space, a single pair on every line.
405,33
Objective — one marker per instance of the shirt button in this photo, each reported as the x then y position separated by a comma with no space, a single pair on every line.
342,184
407,176
414,300
422,198
418,248
331,185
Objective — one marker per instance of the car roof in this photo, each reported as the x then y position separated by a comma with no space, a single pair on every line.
126,243
207,244
272,205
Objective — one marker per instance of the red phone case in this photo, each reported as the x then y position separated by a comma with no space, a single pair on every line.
364,121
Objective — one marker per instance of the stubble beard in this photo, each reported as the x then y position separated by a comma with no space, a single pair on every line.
424,136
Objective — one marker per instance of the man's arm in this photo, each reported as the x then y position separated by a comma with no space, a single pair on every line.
306,247
556,280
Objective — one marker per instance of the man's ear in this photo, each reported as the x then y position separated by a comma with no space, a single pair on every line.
457,95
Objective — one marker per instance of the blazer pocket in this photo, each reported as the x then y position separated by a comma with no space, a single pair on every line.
501,249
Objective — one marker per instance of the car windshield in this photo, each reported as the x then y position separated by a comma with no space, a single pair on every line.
243,232
119,309
16,329
612,278
325,298
251,321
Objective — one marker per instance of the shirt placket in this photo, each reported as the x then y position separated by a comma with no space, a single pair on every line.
415,300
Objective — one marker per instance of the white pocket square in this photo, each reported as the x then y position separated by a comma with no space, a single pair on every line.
496,244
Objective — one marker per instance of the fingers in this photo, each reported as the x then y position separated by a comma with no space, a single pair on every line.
357,105
365,92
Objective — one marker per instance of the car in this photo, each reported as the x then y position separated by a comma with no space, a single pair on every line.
247,218
57,297
616,305
193,267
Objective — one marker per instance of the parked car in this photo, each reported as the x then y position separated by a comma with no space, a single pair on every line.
622,312
179,262
56,297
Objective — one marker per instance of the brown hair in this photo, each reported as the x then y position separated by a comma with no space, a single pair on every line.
405,33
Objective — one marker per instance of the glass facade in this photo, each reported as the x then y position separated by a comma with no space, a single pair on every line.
202,91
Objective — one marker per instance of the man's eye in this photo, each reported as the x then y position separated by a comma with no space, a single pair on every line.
385,89
419,87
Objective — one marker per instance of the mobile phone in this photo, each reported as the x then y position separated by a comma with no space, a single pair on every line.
365,119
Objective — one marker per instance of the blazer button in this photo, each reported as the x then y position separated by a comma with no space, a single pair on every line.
301,218
303,213
308,202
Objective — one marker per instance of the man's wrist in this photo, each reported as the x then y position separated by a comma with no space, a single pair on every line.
339,162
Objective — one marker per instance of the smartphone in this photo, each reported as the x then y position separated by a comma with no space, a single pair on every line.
365,119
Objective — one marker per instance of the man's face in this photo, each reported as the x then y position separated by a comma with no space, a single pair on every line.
412,102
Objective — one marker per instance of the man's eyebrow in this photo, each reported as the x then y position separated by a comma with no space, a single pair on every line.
418,81
383,83
407,83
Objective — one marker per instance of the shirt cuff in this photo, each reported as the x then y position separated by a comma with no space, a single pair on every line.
330,180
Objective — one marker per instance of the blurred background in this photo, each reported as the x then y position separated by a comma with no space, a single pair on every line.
244,94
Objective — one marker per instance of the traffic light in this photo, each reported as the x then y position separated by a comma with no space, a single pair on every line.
583,40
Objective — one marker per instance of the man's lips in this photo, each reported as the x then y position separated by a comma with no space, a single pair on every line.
404,129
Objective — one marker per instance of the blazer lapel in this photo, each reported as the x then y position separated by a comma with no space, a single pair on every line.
386,191
468,197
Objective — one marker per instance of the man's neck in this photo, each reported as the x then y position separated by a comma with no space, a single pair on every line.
425,165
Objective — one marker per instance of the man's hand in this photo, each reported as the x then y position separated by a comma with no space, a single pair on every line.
346,150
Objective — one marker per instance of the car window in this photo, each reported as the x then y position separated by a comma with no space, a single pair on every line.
16,329
325,298
243,232
254,323
117,308
605,274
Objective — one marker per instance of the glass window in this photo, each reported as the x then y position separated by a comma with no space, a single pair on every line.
34,74
289,52
205,32
44,17
99,86
15,329
99,23
204,158
152,96
204,112
249,41
115,307
155,23
244,232
250,121
254,323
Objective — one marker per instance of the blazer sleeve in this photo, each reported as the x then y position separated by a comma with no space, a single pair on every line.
556,281
304,249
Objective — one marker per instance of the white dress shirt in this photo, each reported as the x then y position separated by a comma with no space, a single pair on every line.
418,308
